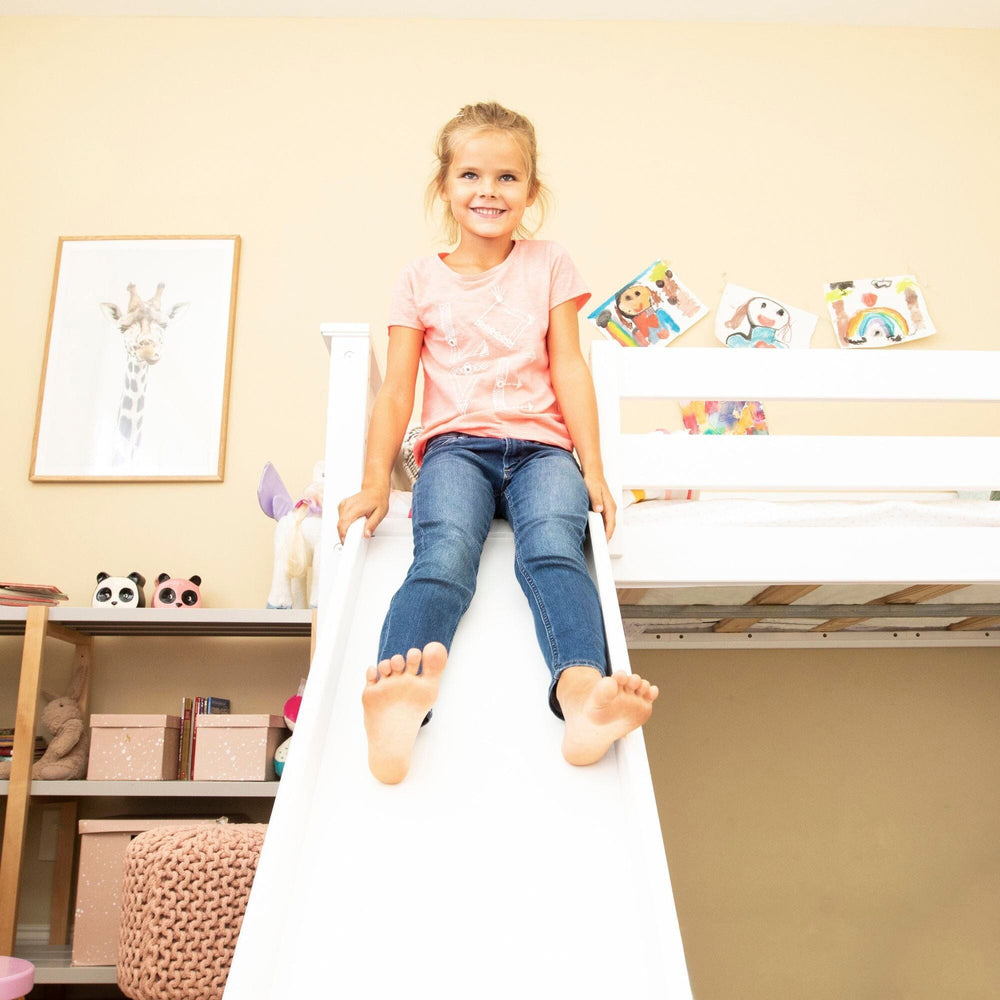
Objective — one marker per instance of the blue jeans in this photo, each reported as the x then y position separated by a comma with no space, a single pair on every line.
464,483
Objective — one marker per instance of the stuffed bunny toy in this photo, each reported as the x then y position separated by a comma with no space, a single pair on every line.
66,755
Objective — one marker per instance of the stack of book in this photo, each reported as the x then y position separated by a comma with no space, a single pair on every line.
7,745
27,594
190,709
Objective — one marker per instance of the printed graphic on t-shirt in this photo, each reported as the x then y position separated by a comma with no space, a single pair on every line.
488,356
501,322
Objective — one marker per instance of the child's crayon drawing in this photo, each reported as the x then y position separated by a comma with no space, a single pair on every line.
734,416
748,319
878,312
653,309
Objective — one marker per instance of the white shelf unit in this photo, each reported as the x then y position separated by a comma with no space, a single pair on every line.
79,627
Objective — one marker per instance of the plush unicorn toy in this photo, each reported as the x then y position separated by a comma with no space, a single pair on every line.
296,537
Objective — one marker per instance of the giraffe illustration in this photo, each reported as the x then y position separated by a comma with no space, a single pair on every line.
142,325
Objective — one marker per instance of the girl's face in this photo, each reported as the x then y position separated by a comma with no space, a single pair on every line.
487,186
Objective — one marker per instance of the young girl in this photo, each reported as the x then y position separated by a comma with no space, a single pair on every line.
507,397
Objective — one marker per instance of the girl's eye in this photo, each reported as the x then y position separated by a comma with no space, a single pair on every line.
468,175
508,177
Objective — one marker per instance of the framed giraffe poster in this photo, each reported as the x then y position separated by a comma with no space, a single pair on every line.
135,383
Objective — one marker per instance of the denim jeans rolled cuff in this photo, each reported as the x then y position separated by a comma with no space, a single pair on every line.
558,672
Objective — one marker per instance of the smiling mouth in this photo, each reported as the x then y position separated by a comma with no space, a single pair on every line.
489,213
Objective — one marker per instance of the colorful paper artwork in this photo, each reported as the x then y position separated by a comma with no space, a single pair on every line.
747,318
878,312
737,416
653,309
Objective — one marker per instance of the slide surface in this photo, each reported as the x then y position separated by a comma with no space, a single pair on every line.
495,869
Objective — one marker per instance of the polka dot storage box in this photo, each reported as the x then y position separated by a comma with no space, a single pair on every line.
237,747
133,747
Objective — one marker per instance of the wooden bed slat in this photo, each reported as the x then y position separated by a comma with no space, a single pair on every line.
770,595
632,595
911,595
975,624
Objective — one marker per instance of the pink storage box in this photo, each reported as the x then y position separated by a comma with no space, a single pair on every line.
99,884
236,747
133,747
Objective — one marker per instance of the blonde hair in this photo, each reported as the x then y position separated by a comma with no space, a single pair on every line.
487,116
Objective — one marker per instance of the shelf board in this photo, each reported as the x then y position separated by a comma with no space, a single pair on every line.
52,965
152,789
168,621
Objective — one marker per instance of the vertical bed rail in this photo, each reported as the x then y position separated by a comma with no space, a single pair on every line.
353,381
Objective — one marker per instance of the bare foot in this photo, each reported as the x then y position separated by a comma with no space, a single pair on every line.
600,710
396,700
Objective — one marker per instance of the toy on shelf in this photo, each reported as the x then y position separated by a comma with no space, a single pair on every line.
174,592
291,713
296,537
119,591
65,758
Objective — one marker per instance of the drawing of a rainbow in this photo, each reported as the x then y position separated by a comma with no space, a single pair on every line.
881,320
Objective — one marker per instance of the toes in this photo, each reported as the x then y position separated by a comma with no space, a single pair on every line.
413,662
633,683
371,675
643,691
383,669
606,690
398,664
653,692
433,659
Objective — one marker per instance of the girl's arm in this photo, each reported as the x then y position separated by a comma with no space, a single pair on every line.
574,390
390,415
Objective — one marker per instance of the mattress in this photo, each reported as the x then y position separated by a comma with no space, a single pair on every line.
837,607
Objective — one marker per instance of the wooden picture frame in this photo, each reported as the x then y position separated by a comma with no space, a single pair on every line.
138,357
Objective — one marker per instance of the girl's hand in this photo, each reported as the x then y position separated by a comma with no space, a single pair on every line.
602,501
371,504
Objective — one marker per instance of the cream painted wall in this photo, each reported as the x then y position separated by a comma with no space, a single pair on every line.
778,157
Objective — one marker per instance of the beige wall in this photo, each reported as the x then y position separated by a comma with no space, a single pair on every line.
774,157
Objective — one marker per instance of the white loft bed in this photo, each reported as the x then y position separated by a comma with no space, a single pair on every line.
876,571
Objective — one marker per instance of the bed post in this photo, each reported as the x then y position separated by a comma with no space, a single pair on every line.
353,376
605,367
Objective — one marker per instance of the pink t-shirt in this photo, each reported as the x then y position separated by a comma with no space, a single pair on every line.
485,355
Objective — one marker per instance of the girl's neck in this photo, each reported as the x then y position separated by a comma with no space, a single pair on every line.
475,256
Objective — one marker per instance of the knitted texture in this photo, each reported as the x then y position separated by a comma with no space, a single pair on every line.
183,900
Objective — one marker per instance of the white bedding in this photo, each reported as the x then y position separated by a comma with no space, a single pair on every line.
733,512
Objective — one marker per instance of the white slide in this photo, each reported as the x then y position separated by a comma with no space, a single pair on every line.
495,869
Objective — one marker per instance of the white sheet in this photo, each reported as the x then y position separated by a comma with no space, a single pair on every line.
750,513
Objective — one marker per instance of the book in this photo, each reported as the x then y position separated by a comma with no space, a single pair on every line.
202,706
184,747
7,745
12,601
35,591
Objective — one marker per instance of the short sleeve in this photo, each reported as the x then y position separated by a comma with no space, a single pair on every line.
566,282
403,309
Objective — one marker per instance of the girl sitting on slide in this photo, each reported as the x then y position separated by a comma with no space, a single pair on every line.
507,397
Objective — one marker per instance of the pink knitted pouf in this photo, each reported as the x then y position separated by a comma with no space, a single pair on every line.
183,900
